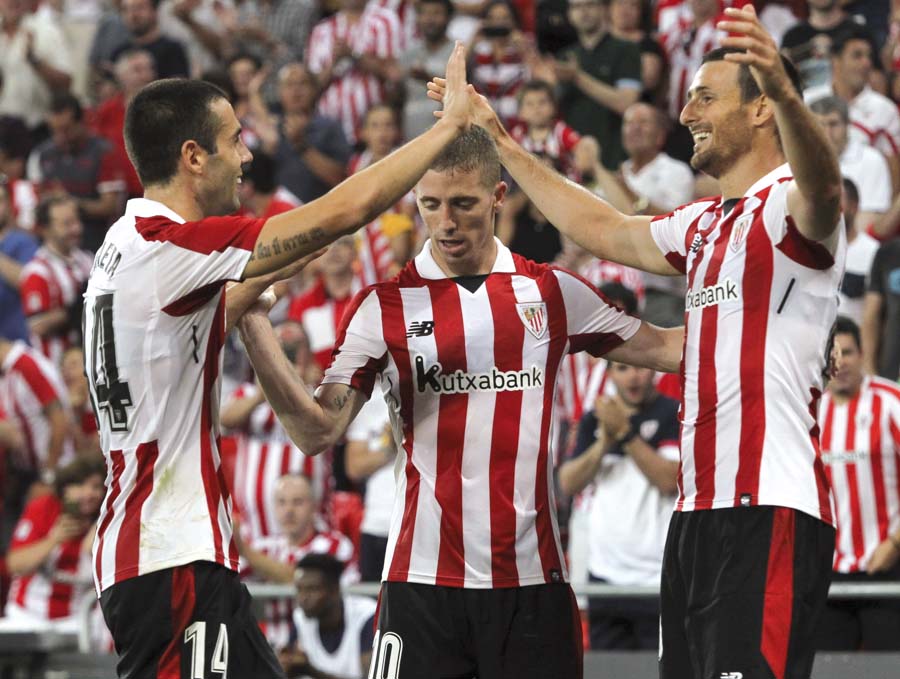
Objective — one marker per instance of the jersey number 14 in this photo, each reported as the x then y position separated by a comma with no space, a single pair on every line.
111,395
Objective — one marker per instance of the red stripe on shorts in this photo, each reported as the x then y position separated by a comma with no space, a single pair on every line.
184,598
778,599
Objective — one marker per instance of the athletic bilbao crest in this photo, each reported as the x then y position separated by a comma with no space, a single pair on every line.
534,317
739,231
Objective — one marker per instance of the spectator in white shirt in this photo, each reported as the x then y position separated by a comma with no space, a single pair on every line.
866,167
861,249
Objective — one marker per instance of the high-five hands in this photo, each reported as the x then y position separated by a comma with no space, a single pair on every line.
478,109
761,55
455,90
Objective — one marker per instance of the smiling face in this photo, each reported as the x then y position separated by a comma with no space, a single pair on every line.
458,208
217,193
717,118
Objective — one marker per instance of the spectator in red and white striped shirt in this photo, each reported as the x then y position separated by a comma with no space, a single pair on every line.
272,557
52,282
860,422
49,557
34,396
354,56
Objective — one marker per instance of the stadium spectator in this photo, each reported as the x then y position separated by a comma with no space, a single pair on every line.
629,21
865,166
133,69
369,457
761,482
627,446
274,28
501,57
310,149
335,632
526,231
81,164
540,131
422,60
246,75
259,193
808,44
197,25
264,451
385,244
186,145
443,333
273,557
874,119
53,281
860,422
15,145
110,35
49,556
600,77
16,249
83,421
353,55
881,314
320,309
34,63
141,19
34,397
861,249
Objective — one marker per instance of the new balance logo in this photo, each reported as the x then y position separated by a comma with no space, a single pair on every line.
697,243
724,291
458,382
731,675
420,329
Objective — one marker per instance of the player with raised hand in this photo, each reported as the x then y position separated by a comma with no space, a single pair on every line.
156,314
749,549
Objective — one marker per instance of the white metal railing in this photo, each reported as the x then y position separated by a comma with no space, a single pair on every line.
262,591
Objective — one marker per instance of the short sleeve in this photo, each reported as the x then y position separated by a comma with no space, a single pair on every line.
669,232
570,138
51,47
34,291
678,188
203,254
360,348
38,382
35,522
593,324
628,72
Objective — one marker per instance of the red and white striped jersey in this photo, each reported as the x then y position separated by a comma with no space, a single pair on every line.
760,303
278,617
154,323
685,45
29,384
498,79
54,589
861,451
24,201
874,120
469,378
265,453
602,271
50,281
406,12
352,92
320,314
558,146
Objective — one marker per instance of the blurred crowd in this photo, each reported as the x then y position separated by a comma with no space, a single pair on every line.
324,88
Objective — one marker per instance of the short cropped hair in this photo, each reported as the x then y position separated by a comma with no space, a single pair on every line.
847,326
64,101
326,564
79,470
537,86
447,4
749,89
849,34
46,205
831,104
162,117
474,149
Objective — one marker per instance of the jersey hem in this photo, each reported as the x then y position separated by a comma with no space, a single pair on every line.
144,569
690,506
462,583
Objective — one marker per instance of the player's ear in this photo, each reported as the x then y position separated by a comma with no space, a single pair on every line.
499,194
193,157
762,111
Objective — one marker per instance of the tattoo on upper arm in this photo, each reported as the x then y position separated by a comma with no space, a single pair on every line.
341,399
309,240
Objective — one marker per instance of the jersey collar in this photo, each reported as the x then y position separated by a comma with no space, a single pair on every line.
427,268
144,207
780,172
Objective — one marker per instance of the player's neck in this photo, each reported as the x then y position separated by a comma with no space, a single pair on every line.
845,92
302,537
846,395
749,169
174,197
57,250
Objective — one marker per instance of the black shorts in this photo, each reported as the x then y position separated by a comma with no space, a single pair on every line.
187,622
742,591
426,631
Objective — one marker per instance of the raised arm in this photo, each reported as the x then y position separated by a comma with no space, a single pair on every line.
314,422
814,197
652,347
365,195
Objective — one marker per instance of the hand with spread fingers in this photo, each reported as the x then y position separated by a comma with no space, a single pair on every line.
479,108
761,53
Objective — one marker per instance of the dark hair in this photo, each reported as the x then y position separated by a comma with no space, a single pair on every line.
474,149
847,326
537,86
162,117
79,470
831,104
244,56
326,564
133,50
15,139
46,205
620,297
262,172
381,107
514,13
853,32
851,190
65,101
448,5
749,89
